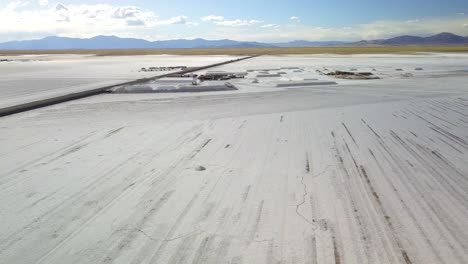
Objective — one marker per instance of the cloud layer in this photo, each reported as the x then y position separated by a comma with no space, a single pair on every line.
22,19
78,20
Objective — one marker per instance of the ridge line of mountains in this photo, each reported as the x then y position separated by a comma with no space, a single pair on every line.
112,42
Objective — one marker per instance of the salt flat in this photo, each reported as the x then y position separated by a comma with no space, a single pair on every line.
30,78
359,172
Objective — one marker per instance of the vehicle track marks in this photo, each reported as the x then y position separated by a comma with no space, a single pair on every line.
349,133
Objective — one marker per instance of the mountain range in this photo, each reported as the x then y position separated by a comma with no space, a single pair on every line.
439,39
112,42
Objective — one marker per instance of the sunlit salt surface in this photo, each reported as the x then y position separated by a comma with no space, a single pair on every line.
30,78
362,171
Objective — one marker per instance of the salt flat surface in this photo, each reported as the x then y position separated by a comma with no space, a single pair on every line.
30,78
359,172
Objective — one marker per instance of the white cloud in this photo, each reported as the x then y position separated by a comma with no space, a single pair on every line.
271,26
62,7
78,20
43,2
212,18
220,21
78,16
178,20
295,18
192,24
16,4
135,23
412,21
125,12
465,25
238,23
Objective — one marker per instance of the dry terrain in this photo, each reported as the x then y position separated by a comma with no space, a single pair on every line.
252,51
359,172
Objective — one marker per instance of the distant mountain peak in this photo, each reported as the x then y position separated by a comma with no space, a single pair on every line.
444,38
446,34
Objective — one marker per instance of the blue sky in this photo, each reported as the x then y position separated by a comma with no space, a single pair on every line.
319,12
259,20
